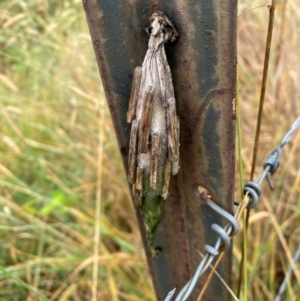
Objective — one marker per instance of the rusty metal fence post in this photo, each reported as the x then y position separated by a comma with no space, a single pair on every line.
203,66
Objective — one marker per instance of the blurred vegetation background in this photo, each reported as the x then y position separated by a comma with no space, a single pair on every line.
59,159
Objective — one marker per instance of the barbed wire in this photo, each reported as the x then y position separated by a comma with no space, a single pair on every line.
287,276
252,191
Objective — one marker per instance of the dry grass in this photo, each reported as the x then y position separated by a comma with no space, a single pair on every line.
277,214
54,152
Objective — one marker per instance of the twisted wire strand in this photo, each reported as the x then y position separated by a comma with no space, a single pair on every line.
287,276
252,192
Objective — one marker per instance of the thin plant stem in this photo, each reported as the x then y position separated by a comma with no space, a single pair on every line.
258,125
97,210
214,271
263,86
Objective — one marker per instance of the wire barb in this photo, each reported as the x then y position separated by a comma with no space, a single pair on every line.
252,191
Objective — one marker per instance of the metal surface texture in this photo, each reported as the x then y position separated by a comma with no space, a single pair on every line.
203,65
